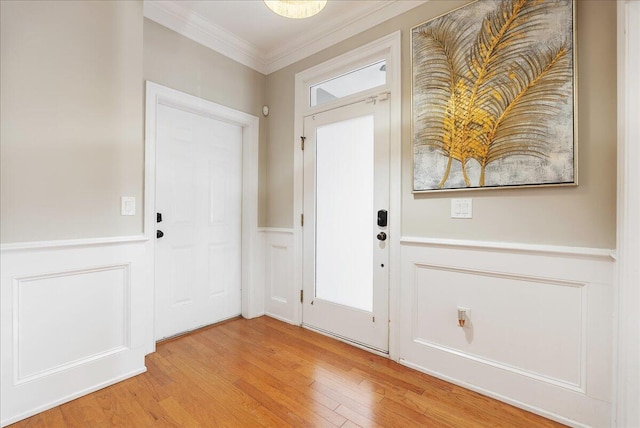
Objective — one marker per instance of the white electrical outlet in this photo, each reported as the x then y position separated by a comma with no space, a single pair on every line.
461,208
128,205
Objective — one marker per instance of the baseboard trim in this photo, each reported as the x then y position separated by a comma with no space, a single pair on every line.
491,394
72,397
279,318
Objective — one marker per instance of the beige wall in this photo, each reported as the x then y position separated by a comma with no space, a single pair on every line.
180,63
72,126
73,112
574,216
71,135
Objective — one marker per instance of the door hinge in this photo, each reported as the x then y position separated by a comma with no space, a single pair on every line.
301,296
374,319
301,219
302,142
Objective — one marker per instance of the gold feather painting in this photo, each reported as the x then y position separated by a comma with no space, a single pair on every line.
493,96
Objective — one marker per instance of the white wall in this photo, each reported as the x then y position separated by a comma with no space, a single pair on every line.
282,299
74,317
538,334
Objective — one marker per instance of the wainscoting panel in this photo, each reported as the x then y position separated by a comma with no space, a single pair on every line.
281,298
49,338
74,319
538,327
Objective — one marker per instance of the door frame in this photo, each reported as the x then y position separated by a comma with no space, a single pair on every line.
386,47
626,348
252,302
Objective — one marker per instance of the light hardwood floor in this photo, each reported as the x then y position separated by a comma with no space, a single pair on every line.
263,372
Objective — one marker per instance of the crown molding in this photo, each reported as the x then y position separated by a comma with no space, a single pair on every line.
178,18
324,36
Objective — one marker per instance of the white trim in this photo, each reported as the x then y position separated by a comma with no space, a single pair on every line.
583,252
33,380
506,367
564,301
17,246
347,341
491,394
280,295
579,386
322,37
176,16
275,230
252,301
279,318
626,366
73,396
389,47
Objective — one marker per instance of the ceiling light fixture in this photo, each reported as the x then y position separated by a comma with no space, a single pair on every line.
296,9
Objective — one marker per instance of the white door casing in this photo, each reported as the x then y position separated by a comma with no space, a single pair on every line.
156,95
626,393
199,195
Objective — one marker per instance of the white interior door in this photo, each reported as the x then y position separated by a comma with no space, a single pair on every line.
199,194
346,255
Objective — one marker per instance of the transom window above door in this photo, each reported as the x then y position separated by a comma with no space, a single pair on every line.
353,82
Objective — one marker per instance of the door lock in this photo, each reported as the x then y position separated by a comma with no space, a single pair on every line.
159,234
381,236
382,218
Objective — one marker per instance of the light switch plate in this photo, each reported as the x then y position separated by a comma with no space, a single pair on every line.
128,205
461,208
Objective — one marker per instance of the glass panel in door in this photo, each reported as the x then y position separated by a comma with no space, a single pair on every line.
344,203
345,263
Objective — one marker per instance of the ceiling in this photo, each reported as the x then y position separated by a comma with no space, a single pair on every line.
248,32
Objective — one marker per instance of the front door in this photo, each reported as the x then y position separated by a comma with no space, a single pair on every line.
346,203
199,196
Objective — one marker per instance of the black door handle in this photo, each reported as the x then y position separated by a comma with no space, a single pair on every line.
381,236
159,234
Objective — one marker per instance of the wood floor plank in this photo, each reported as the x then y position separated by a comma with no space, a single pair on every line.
266,373
356,418
50,418
349,424
461,417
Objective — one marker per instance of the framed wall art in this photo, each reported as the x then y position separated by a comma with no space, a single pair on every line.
493,96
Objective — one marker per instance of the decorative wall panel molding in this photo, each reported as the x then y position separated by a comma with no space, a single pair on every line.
537,331
48,339
74,319
281,298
